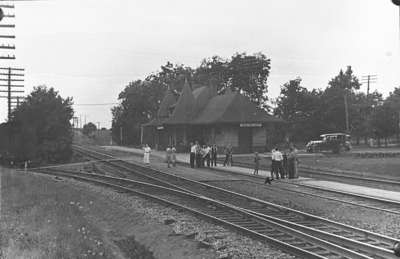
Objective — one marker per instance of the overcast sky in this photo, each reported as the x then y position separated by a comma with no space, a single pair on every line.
91,49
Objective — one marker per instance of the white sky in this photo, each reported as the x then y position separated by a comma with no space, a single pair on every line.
91,49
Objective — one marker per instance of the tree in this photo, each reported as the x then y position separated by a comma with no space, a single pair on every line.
40,128
393,100
299,107
89,128
360,113
248,74
383,121
171,75
140,101
337,101
213,71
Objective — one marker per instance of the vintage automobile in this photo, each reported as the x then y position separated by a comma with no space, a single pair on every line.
334,142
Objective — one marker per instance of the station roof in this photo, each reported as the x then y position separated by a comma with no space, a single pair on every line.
204,106
183,112
233,107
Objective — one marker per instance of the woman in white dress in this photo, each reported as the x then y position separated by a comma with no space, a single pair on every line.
146,155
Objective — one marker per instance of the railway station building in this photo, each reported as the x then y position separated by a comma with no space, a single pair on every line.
205,116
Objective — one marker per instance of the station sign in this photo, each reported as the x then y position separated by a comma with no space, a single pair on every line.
250,125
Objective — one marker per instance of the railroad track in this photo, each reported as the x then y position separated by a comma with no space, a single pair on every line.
283,236
344,235
330,174
366,201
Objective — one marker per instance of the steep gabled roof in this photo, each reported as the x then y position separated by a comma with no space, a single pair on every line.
183,112
169,99
202,96
233,107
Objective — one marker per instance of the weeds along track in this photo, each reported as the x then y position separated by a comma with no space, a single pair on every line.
365,242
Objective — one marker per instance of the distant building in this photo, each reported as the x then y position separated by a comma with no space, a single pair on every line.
203,115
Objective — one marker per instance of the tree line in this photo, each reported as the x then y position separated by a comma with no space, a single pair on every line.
313,112
309,113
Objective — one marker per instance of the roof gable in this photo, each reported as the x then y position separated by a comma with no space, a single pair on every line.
169,99
233,107
183,112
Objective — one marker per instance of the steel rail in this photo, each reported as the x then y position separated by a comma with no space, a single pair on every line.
344,197
326,172
280,234
365,201
329,226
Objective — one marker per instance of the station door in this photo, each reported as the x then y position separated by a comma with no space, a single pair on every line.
245,140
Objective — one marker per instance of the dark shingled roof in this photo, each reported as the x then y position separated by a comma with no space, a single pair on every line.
203,106
202,96
233,107
169,99
183,112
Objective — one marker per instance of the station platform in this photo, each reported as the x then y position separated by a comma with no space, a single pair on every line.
184,158
336,186
361,190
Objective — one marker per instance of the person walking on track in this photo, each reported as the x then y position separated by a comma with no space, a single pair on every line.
146,155
256,163
192,154
214,152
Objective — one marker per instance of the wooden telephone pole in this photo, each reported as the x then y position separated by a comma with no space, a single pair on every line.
7,26
12,76
369,79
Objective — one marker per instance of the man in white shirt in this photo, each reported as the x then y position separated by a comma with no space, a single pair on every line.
278,158
192,154
206,155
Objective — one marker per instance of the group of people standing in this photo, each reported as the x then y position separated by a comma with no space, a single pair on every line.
203,155
283,165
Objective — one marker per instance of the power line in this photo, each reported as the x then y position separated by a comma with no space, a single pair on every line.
369,79
10,88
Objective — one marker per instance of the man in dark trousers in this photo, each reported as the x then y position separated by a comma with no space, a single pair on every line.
192,154
278,163
198,155
214,152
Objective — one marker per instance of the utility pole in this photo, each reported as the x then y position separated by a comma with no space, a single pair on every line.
7,27
397,2
346,111
10,79
369,79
